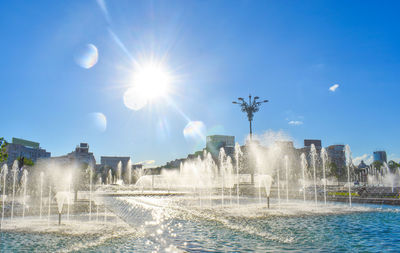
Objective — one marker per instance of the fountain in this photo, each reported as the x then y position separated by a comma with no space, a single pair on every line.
222,158
238,154
388,178
109,177
24,183
61,197
229,181
183,196
266,182
69,194
119,173
190,193
4,172
348,165
324,158
41,194
90,190
140,173
287,177
14,170
211,173
313,162
303,163
49,202
279,187
129,170
203,170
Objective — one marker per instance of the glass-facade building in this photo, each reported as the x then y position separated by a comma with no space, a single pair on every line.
380,156
23,148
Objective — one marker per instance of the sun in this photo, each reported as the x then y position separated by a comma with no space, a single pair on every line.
150,81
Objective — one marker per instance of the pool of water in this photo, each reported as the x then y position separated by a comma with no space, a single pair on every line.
374,230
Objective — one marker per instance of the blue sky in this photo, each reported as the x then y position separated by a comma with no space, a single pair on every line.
290,52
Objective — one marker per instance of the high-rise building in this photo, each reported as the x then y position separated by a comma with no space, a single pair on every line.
24,148
380,156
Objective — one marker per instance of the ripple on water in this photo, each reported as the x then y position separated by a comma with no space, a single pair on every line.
202,230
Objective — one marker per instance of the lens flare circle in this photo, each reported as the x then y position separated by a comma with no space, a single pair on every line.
87,56
133,99
195,130
98,121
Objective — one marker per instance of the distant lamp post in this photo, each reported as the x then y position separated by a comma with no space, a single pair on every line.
250,108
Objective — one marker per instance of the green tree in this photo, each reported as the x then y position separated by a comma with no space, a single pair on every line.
338,172
377,164
23,161
3,150
333,168
393,165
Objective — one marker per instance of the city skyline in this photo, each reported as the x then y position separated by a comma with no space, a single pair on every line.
328,74
18,147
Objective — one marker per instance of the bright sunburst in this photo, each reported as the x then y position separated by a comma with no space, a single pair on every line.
150,81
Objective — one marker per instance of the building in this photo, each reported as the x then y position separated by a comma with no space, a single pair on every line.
137,166
213,145
380,156
112,162
82,155
361,172
317,143
307,149
216,142
285,146
337,155
27,149
175,164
